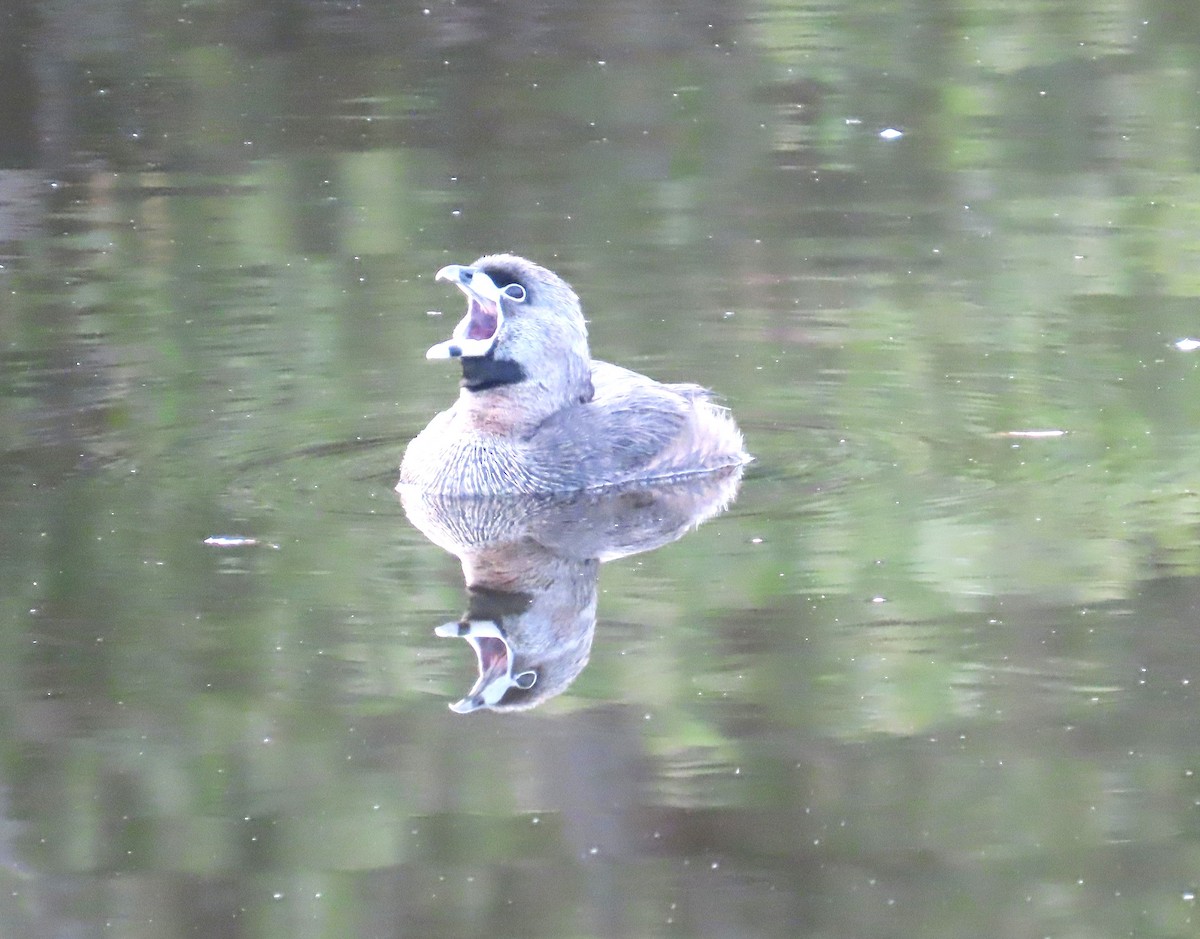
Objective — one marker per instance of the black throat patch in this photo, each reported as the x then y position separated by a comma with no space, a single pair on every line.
487,603
486,371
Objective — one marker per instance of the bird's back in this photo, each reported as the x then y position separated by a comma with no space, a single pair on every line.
635,428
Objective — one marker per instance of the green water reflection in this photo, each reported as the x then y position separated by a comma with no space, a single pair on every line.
927,676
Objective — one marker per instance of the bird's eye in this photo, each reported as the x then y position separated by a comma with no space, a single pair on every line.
515,292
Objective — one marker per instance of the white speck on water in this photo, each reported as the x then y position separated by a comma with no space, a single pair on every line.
1187,345
1032,434
890,133
230,541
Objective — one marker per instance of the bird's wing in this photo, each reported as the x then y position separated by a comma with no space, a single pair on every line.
629,424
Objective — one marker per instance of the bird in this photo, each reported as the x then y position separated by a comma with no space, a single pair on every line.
536,413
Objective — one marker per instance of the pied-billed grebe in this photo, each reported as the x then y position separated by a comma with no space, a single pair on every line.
536,413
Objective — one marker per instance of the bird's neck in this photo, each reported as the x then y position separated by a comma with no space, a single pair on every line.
516,409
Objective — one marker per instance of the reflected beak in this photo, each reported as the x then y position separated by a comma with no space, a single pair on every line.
494,657
476,332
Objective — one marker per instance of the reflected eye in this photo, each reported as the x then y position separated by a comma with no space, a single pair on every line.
515,292
525,680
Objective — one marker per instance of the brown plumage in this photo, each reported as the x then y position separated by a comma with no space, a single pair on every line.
536,414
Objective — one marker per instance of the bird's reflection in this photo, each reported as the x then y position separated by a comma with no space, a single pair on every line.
531,565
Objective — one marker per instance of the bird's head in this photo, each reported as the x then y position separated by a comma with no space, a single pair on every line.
523,337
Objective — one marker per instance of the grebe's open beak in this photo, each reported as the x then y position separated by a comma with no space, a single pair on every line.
476,332
495,664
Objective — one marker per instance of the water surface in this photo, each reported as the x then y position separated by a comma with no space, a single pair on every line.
932,673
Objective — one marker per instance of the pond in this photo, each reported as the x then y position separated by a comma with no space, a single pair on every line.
928,667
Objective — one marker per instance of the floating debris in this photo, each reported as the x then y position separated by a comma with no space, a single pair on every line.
1187,345
890,133
1030,434
237,541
